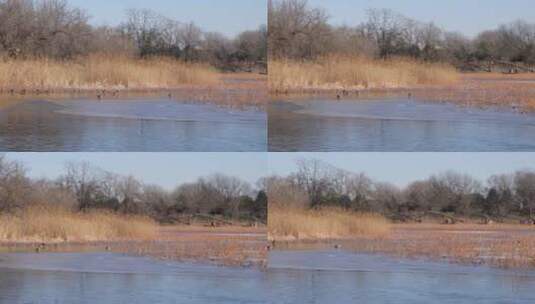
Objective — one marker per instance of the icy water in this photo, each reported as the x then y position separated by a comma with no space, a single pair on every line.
114,278
396,125
344,277
291,277
130,125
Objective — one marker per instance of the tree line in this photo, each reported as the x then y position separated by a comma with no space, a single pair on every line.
317,184
299,31
54,29
83,187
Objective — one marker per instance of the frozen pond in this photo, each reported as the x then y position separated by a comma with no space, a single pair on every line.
344,277
115,278
136,125
291,277
396,125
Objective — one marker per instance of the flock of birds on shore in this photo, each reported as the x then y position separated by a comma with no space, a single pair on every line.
99,94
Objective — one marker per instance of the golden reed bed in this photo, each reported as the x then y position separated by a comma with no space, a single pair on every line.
57,225
46,229
516,91
355,73
292,224
96,72
111,77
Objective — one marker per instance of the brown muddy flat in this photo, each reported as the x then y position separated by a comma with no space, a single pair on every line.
230,246
504,246
232,89
515,91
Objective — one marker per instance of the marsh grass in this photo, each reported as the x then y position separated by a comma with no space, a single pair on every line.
356,73
102,72
500,245
487,89
300,224
56,225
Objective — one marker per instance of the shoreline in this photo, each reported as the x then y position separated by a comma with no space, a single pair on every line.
233,89
474,90
495,245
236,246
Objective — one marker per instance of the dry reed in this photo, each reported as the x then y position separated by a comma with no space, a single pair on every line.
487,89
102,72
56,225
356,73
299,224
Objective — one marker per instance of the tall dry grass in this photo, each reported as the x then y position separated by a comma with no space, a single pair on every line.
41,224
356,73
290,224
102,72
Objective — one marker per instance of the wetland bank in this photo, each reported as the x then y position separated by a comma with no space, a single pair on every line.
392,83
150,83
218,218
98,230
448,217
150,123
448,237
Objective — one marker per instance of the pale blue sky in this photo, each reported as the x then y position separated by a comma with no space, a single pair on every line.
465,16
171,169
226,16
164,169
403,168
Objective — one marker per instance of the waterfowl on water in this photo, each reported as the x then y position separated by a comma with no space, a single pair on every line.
40,247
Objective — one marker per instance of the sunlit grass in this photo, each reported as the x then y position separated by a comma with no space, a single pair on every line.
46,224
102,72
355,73
330,223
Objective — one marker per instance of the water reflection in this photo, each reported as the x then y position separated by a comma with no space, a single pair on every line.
341,277
396,125
133,125
292,277
112,278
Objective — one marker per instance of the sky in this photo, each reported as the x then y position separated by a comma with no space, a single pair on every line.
404,168
229,17
165,169
466,16
171,169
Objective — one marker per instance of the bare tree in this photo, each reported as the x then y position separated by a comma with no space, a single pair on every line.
284,193
130,195
386,198
190,39
43,28
230,189
385,28
84,181
525,191
15,188
295,29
